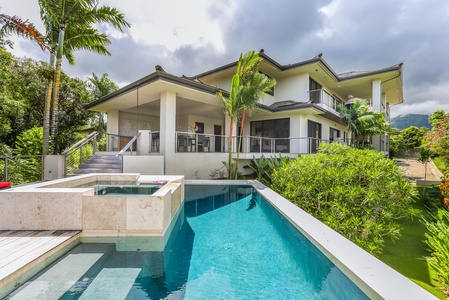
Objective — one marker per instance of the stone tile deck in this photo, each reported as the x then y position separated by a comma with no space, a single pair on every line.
24,253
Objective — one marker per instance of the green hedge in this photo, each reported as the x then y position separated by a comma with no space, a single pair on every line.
358,193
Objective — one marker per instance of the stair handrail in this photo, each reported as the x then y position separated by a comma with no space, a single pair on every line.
130,143
80,143
79,146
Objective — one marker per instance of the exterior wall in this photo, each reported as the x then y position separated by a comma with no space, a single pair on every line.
222,83
130,123
292,88
182,123
197,165
145,165
208,122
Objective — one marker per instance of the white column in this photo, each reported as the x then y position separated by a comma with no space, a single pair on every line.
113,122
377,95
303,134
377,106
167,130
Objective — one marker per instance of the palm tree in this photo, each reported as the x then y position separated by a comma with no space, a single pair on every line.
25,29
247,87
255,86
75,16
76,38
362,121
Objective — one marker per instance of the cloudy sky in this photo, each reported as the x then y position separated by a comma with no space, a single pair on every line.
190,37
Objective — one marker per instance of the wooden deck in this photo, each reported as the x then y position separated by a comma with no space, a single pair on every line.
24,253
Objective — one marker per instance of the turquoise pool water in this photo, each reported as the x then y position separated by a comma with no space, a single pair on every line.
143,189
228,244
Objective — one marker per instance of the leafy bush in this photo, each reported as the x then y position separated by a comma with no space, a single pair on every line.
438,241
263,167
358,193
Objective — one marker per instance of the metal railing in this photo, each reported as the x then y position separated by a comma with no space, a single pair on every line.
322,96
200,142
79,152
22,169
129,145
295,145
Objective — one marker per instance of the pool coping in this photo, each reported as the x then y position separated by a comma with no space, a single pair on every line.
375,278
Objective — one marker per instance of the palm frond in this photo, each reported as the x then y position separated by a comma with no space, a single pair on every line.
25,29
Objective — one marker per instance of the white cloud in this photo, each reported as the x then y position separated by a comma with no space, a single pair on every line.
172,23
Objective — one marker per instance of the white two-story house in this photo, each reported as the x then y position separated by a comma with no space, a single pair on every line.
183,128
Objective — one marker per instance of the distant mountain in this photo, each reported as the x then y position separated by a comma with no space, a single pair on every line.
403,121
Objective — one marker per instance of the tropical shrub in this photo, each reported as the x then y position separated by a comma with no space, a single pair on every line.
263,167
357,192
438,241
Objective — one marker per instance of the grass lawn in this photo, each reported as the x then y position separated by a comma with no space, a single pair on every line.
406,255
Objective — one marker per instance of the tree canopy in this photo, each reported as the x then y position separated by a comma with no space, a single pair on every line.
362,121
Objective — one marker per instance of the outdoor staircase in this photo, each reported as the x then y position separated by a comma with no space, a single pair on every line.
100,163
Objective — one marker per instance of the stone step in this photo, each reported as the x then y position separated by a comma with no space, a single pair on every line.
69,275
100,166
99,170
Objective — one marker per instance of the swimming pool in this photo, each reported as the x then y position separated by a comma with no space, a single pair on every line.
143,189
228,244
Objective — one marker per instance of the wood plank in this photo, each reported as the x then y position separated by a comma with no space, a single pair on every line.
35,249
15,244
11,235
40,255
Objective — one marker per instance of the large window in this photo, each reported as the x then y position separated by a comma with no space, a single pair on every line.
314,91
270,136
314,135
334,135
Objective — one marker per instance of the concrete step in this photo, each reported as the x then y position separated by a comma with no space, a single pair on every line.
99,170
100,166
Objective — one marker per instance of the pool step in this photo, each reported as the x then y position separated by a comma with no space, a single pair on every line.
100,164
70,275
25,253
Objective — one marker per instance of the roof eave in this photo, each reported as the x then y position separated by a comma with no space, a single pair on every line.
158,75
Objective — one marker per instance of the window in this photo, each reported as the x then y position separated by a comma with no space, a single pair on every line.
314,91
334,135
200,127
314,135
270,136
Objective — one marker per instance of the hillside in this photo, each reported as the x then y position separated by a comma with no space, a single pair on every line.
403,121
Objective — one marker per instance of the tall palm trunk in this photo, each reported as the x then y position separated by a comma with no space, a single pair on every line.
54,124
47,110
241,135
230,148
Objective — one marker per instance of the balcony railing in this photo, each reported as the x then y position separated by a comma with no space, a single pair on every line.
209,143
323,97
192,142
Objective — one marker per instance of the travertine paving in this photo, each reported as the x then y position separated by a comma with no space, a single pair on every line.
414,170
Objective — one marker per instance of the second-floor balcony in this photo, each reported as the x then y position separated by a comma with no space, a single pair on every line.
187,142
324,99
